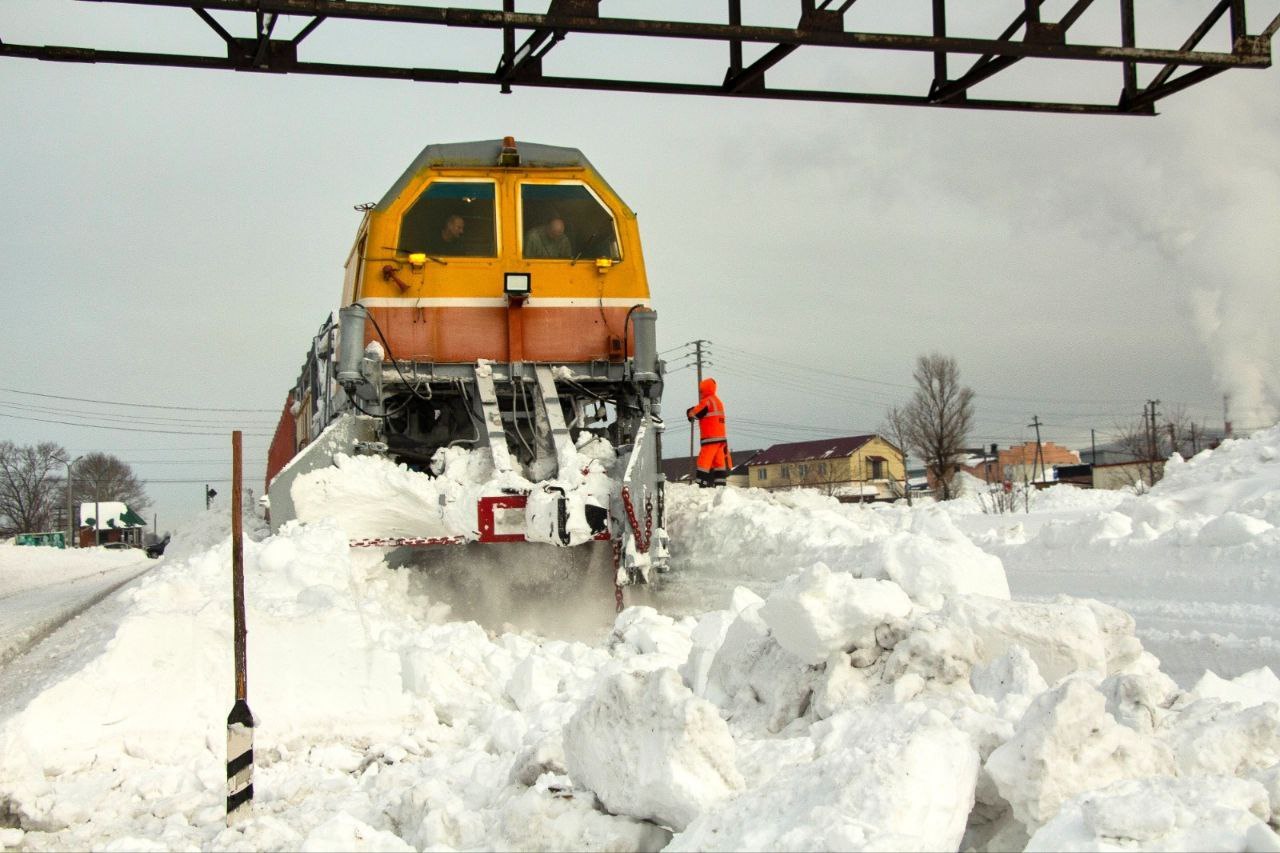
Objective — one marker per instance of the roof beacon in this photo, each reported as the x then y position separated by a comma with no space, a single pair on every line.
509,156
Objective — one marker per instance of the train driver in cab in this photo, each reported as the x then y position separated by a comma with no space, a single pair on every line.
450,240
548,240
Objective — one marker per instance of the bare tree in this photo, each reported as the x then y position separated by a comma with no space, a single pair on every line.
823,477
103,477
29,486
895,428
939,417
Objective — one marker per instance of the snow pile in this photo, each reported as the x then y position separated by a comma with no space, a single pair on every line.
24,567
878,689
374,497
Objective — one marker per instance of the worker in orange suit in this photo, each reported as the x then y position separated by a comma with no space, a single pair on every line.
714,460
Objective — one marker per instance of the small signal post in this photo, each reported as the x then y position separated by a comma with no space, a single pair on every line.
240,720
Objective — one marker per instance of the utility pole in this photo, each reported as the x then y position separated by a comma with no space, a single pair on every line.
71,519
1035,422
1151,441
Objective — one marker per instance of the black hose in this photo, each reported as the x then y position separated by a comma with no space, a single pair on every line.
392,356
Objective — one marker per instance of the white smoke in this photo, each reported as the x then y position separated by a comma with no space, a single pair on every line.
1244,343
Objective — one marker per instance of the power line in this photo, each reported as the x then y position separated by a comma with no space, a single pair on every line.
139,405
121,428
154,420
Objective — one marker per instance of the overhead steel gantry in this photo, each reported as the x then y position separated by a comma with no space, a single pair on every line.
959,63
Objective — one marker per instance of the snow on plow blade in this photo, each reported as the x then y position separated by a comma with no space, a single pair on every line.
344,476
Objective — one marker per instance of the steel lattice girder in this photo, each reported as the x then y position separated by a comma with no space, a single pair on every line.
1027,36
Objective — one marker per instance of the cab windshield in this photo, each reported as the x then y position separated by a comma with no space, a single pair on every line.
451,219
566,222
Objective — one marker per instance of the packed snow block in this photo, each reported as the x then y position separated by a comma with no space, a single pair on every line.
1063,637
705,641
1163,813
650,749
1123,648
544,756
1012,679
649,632
1139,701
933,650
536,679
755,681
1067,744
1269,778
886,778
818,611
935,560
1214,737
708,636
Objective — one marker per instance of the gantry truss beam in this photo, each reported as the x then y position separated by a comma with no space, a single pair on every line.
526,38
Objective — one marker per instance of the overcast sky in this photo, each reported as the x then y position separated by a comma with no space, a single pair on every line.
176,237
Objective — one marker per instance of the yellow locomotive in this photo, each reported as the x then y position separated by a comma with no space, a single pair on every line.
495,302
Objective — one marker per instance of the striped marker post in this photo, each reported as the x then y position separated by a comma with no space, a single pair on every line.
240,720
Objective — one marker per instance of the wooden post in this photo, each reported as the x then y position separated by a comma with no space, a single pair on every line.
240,720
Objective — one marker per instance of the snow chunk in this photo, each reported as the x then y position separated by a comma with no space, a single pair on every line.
1232,528
342,833
1065,745
818,612
651,749
1163,813
1252,688
935,560
1062,638
886,778
754,680
1222,738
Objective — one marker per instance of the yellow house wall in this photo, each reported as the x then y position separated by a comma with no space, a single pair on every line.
845,469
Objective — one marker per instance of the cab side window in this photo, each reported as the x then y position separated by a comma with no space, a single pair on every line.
566,222
451,219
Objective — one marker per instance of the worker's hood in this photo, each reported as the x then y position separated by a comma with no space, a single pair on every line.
706,387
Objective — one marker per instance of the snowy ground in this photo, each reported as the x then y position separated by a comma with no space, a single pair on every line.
809,676
42,588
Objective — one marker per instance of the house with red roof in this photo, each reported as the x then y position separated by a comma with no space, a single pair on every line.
851,468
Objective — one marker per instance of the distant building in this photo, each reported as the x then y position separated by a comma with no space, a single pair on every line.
1018,464
851,468
109,521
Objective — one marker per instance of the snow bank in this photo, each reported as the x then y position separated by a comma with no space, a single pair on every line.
868,683
24,567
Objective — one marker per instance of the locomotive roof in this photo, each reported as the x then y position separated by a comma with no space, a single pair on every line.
484,154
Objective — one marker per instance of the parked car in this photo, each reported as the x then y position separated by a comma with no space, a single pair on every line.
155,549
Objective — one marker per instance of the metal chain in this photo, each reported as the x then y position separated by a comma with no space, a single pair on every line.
641,546
617,564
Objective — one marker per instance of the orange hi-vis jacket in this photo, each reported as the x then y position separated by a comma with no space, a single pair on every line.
709,412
